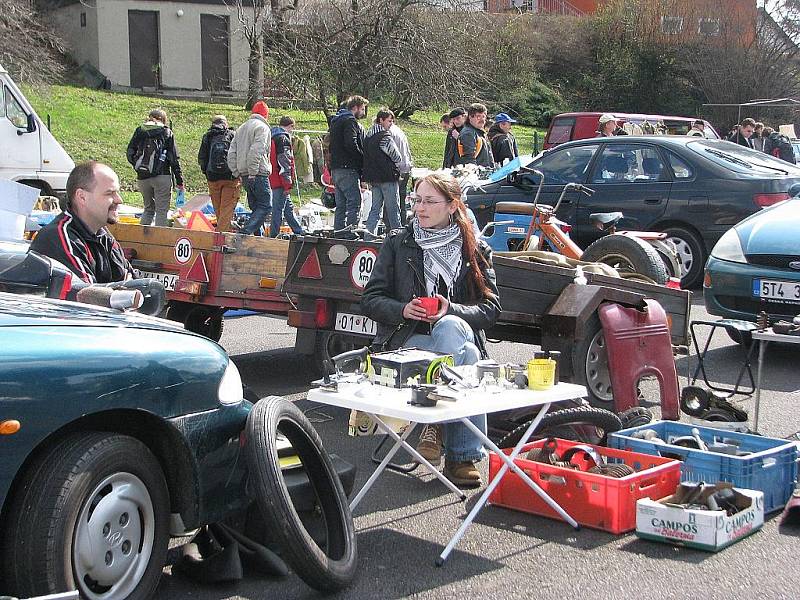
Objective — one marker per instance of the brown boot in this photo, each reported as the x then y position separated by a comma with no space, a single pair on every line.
430,444
463,474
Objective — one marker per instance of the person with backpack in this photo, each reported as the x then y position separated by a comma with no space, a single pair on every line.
153,154
779,146
213,158
281,178
248,157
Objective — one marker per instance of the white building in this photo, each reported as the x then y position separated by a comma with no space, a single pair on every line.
193,44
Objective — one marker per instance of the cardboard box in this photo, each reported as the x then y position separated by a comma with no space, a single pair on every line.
664,521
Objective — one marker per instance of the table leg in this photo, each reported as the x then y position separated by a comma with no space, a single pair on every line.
508,464
762,345
400,442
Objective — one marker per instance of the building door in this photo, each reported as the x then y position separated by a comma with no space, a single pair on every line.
143,47
214,52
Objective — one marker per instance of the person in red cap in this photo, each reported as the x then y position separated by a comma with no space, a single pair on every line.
248,158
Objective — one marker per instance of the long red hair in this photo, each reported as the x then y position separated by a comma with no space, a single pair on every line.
449,188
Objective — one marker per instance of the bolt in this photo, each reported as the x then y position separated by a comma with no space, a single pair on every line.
106,528
109,558
123,519
126,547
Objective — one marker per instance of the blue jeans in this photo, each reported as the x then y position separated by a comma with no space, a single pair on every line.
452,335
348,197
388,193
259,199
282,207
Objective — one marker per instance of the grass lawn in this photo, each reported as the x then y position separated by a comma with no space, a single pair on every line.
94,124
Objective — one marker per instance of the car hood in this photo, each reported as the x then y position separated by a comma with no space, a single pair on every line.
772,231
29,310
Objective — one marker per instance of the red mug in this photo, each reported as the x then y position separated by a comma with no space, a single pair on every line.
430,304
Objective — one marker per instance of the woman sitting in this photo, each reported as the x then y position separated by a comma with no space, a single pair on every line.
437,255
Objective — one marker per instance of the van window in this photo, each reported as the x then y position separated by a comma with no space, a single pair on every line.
561,131
14,111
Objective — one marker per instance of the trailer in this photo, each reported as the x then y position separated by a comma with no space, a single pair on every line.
206,273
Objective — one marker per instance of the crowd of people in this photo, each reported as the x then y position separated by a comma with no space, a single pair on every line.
753,134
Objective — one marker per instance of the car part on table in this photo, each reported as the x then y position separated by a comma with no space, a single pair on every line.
331,566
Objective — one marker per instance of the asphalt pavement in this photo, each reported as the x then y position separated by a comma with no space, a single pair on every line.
404,521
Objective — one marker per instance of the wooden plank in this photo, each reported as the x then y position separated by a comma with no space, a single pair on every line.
261,266
239,283
525,301
161,236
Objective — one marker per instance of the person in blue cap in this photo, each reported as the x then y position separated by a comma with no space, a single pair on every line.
504,145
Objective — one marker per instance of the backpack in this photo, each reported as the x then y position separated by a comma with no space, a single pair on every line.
150,156
781,147
218,147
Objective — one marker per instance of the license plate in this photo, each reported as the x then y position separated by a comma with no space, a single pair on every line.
168,280
355,324
772,289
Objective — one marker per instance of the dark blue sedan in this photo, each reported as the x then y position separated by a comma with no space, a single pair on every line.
755,266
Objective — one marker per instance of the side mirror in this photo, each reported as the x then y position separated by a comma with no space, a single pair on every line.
30,127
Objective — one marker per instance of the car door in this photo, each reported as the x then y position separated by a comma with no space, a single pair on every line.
631,177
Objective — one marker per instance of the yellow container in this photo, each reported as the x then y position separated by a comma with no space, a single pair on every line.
541,373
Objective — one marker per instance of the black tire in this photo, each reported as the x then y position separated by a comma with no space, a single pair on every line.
327,569
331,343
691,254
635,417
579,423
720,415
590,364
67,494
694,400
628,254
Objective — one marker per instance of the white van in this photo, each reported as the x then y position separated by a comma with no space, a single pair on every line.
29,153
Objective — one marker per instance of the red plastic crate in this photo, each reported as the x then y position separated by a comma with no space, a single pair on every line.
595,501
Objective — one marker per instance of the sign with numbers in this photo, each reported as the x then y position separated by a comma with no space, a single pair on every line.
183,250
361,266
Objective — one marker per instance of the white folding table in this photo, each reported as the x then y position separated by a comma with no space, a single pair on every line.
764,337
378,401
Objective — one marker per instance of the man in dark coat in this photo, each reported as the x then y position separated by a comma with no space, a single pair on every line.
458,117
212,157
347,160
504,144
744,133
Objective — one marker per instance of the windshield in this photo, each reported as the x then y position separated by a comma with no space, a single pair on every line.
740,159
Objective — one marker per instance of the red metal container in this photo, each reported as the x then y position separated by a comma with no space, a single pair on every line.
638,343
595,501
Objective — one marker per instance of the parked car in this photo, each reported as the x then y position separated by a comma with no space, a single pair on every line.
692,189
567,127
755,266
119,429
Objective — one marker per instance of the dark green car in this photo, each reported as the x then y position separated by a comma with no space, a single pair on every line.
117,430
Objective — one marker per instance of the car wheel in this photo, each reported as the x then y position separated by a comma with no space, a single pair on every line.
590,364
94,516
690,252
333,343
330,566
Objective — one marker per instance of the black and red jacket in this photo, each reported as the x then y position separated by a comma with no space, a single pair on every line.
95,258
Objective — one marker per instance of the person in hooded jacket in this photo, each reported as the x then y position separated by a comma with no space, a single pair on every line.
346,143
458,117
155,184
504,144
382,162
281,179
212,157
437,255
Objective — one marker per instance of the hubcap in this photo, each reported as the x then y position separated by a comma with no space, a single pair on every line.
113,537
597,377
684,252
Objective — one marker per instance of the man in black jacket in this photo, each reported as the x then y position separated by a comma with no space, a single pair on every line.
347,159
504,144
458,117
472,146
223,187
744,133
382,171
154,156
78,237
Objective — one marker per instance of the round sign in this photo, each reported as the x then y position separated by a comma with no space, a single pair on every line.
183,250
361,266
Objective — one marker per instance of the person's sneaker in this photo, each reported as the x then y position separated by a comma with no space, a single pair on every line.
463,474
430,444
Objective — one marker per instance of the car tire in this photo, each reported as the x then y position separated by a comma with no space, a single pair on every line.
93,515
590,364
333,343
628,254
198,318
329,568
691,254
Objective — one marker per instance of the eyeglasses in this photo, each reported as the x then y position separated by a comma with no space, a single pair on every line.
420,202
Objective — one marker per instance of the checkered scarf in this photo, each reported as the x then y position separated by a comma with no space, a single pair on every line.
441,255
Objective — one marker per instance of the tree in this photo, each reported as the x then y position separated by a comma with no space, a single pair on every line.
29,48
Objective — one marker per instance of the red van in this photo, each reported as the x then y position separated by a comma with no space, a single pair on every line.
582,125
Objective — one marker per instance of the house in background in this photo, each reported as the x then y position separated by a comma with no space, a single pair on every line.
182,44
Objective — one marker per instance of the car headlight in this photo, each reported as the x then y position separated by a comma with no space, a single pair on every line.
230,388
729,248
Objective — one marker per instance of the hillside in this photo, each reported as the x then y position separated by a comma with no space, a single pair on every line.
94,124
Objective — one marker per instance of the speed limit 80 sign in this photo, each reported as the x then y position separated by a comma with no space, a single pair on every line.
361,266
183,250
